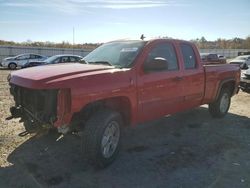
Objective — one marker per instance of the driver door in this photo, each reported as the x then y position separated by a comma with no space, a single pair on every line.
160,91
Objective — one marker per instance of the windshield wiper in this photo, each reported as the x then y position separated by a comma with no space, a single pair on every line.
100,62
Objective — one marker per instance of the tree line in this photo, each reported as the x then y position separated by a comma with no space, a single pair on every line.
235,43
63,44
202,43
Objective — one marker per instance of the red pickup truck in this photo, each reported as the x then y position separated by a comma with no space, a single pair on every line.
121,83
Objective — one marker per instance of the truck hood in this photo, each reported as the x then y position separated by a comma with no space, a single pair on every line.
44,77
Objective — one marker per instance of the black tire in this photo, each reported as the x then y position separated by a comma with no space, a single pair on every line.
220,107
12,66
93,137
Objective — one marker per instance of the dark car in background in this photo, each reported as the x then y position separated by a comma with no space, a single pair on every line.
54,60
212,58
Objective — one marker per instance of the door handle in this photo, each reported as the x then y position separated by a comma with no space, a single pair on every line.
178,78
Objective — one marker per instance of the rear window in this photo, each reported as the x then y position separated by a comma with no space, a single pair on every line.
38,56
188,56
65,59
73,59
212,57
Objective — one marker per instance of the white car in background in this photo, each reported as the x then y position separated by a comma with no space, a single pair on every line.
18,61
242,60
245,79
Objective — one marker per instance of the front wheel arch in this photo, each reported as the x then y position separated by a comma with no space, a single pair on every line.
119,104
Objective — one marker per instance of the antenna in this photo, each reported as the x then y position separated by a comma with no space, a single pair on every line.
73,39
142,37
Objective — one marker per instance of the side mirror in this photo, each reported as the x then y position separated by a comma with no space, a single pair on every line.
157,64
244,66
83,61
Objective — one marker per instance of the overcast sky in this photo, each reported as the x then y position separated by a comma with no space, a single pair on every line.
105,20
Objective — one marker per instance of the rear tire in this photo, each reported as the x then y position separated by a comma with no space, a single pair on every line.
101,137
220,107
12,66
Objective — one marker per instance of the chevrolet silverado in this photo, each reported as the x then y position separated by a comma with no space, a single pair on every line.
119,84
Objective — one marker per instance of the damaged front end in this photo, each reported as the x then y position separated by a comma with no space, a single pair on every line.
36,108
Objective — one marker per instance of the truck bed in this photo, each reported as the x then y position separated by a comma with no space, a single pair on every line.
215,73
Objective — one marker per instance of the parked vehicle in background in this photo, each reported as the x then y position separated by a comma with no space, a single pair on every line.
245,79
243,53
242,60
122,83
212,58
65,58
18,61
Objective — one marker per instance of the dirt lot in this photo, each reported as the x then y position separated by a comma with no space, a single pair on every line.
189,149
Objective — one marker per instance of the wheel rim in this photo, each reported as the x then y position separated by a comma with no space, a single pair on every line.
12,66
110,139
224,103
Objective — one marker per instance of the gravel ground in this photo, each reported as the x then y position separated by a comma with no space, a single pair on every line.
189,149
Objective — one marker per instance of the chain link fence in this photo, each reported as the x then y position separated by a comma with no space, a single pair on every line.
9,51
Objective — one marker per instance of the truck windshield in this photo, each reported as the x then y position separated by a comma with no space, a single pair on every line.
120,54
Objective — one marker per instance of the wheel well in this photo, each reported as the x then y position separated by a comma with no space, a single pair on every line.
119,104
230,85
12,63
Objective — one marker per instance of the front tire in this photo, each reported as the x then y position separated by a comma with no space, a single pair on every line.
220,107
101,137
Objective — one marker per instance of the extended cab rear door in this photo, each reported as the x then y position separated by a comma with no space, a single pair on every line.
193,77
159,91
